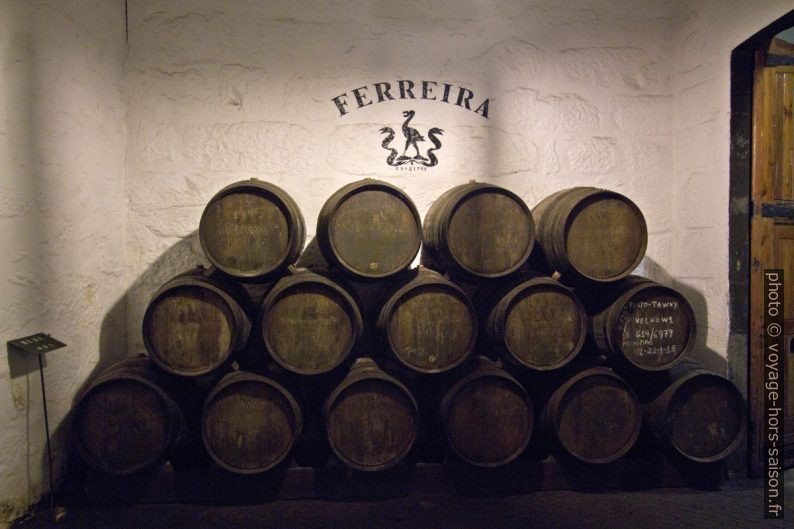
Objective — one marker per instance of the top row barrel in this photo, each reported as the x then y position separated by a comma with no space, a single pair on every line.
252,229
478,231
370,229
590,235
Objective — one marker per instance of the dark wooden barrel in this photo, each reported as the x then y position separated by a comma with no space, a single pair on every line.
369,229
594,416
590,235
371,418
309,322
478,231
700,415
487,417
250,423
537,323
128,419
252,230
642,323
194,323
428,323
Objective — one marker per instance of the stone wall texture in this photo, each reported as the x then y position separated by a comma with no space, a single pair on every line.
119,120
62,218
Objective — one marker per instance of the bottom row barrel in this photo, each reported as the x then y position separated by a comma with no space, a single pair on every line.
595,416
250,423
371,418
699,416
129,418
487,417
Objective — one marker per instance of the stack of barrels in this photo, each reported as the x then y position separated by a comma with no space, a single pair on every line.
521,334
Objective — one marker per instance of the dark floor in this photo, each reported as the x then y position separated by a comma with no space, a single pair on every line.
738,505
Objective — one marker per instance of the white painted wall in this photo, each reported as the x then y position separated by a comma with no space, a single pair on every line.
631,95
62,141
578,96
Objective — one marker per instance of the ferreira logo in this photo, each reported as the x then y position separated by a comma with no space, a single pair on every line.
411,154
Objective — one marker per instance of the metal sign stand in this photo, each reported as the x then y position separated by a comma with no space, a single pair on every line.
39,344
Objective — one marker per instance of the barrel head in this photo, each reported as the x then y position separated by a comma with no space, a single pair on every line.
655,328
245,233
189,330
488,421
597,419
310,328
490,233
605,237
371,424
705,418
123,426
544,327
374,233
432,328
250,425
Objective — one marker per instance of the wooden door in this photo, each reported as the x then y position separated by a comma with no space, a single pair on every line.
772,244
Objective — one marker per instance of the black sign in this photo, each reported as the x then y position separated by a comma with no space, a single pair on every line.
410,153
36,344
407,90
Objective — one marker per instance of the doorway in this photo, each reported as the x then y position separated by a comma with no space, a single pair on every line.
762,215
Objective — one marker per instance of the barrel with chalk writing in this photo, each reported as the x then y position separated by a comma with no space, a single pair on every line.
641,323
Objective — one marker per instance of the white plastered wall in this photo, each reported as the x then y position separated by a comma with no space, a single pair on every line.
62,254
580,93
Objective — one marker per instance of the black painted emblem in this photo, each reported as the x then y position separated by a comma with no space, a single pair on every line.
410,153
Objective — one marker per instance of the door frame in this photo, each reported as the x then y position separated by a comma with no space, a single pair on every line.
742,365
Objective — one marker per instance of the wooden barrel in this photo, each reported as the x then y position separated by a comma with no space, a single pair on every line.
127,420
537,323
700,415
370,229
251,230
250,423
428,323
642,323
371,418
194,323
594,416
487,417
478,231
309,323
590,235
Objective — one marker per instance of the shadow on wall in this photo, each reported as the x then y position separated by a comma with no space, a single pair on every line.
708,358
114,347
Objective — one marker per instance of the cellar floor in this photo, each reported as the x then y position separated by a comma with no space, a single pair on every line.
739,504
